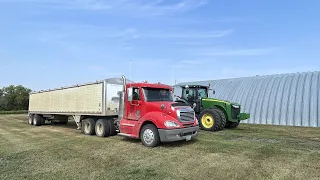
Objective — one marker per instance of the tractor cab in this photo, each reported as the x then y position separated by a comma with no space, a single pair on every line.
193,95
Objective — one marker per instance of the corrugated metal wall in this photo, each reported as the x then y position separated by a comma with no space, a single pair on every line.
286,99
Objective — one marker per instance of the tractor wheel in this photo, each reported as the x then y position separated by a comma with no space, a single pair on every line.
223,119
232,125
211,120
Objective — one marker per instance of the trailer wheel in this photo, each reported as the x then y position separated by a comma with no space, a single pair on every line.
37,120
102,128
30,119
232,125
88,126
112,127
149,135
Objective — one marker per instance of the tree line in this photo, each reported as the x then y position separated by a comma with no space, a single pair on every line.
13,98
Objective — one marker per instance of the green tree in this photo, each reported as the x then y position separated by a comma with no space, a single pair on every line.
14,98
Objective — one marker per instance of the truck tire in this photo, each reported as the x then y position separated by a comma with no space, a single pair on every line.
102,128
211,120
149,135
88,126
232,125
30,119
37,120
113,131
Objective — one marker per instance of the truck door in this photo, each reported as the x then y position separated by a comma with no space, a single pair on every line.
134,109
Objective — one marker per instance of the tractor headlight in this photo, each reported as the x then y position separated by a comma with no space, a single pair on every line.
171,124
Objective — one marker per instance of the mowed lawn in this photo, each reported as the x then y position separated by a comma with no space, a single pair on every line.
248,152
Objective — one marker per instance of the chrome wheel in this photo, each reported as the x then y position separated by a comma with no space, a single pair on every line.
148,136
99,129
86,127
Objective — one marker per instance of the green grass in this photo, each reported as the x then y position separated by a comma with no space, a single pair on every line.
248,152
14,112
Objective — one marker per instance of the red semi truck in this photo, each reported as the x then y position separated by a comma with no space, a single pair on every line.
105,108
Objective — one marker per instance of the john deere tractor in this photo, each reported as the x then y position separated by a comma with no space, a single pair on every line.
212,114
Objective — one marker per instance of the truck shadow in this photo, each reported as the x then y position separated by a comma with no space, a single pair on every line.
163,144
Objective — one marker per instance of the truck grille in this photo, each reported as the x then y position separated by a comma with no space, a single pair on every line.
235,112
186,116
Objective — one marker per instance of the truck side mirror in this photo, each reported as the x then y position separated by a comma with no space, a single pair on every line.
130,92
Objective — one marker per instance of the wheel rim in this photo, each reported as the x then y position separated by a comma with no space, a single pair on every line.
30,120
207,120
34,121
99,128
148,136
86,127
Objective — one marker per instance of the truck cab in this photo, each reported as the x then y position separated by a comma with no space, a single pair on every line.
150,114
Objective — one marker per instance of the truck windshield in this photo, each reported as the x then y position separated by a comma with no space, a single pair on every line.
157,94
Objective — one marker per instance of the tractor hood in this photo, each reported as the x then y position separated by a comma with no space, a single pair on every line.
219,100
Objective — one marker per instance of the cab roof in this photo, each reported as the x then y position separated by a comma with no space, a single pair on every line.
150,85
194,86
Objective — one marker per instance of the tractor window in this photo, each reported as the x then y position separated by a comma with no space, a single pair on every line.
191,96
203,93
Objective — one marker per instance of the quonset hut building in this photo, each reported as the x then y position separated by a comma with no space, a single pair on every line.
283,99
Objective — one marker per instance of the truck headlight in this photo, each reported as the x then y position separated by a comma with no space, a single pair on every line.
171,124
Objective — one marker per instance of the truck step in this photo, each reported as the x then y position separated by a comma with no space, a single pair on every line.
123,134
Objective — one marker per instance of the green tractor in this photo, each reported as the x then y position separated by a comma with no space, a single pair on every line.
212,114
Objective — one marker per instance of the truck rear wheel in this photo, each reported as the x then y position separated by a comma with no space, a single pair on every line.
112,127
88,126
102,128
232,125
37,120
149,135
212,120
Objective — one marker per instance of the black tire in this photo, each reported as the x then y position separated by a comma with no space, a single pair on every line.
113,131
149,135
88,126
232,125
30,119
218,119
223,120
102,128
37,119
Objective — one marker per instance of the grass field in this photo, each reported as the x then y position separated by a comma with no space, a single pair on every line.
248,152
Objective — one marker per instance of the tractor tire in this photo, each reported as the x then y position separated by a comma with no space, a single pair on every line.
102,128
232,125
37,120
149,135
30,119
211,120
113,131
223,118
88,126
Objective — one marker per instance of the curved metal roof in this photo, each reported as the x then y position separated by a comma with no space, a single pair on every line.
282,99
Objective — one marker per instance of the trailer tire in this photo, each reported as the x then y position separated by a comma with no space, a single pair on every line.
102,128
149,135
37,120
113,131
88,126
30,119
211,120
232,125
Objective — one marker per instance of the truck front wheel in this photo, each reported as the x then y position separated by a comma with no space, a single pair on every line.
149,135
102,128
88,126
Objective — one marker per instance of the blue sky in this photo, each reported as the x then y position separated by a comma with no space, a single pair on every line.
52,43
